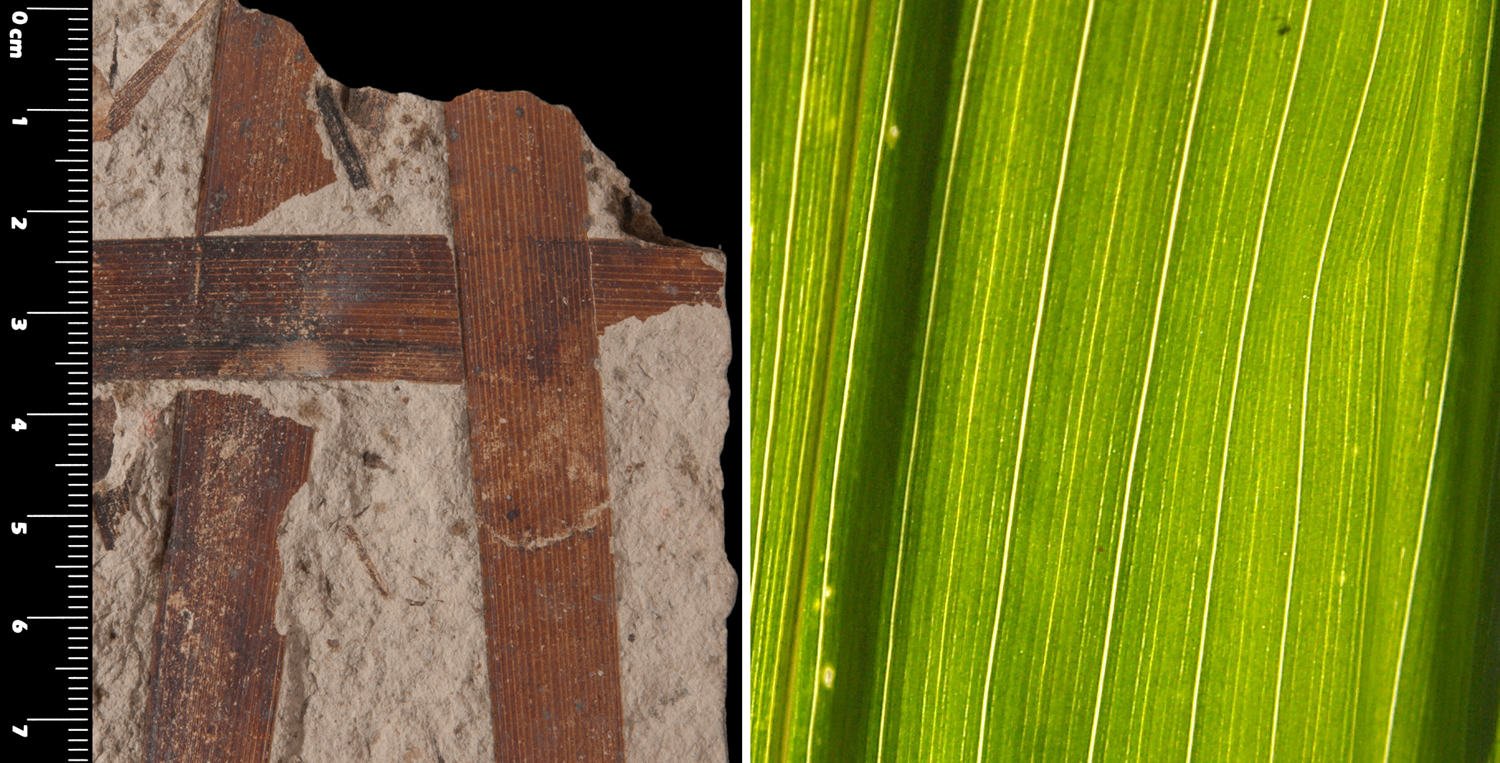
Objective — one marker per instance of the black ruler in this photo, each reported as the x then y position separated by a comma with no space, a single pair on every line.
47,557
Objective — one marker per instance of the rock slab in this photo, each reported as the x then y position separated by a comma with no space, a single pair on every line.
380,606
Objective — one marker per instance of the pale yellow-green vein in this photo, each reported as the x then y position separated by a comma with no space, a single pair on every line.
1036,336
1442,395
1146,381
1239,354
1312,318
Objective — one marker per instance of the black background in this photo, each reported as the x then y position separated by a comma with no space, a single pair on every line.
657,89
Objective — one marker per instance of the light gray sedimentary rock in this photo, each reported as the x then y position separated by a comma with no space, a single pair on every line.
402,143
366,676
665,414
146,174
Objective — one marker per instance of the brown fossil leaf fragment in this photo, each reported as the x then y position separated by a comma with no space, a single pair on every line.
216,660
536,427
263,146
276,307
642,281
103,435
364,556
112,110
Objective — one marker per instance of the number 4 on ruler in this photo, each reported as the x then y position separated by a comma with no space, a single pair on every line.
20,730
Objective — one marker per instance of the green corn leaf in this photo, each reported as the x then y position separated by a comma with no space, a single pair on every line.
1124,381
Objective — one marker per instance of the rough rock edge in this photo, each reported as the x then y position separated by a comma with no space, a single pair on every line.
666,409
615,211
397,141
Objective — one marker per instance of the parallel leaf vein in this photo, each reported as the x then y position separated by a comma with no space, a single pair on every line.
1140,415
1312,318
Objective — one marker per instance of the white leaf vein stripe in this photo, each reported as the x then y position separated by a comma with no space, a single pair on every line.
1312,318
1036,336
1234,389
1140,414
